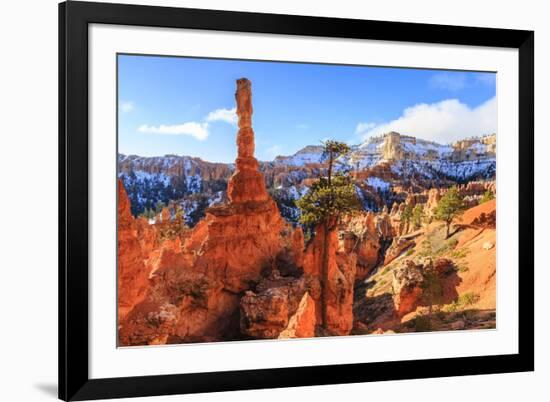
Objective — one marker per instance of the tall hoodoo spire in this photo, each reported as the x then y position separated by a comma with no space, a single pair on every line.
245,136
243,96
247,183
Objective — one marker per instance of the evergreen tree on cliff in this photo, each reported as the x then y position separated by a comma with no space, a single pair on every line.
450,207
487,196
406,217
418,216
327,200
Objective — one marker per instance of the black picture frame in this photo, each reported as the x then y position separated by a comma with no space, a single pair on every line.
74,18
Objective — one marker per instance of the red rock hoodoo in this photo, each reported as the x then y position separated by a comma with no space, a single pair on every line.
132,271
195,289
247,183
340,281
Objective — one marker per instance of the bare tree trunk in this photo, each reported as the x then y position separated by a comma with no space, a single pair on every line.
324,268
324,276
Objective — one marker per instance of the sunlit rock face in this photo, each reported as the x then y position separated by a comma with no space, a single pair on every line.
247,183
336,287
407,284
196,286
281,307
132,272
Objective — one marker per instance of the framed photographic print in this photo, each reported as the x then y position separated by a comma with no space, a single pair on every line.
257,200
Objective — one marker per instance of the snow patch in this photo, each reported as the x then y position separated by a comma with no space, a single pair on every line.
378,183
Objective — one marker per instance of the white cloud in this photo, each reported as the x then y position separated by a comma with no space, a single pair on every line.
198,130
444,122
449,81
302,126
193,129
363,127
126,106
227,115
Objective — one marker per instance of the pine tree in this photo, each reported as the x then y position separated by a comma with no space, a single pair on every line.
327,200
432,290
159,206
148,213
418,216
487,196
179,219
450,207
405,220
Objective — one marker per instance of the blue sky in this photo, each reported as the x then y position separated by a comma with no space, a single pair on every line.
184,106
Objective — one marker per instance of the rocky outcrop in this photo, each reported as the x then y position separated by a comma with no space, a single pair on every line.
392,146
407,287
423,282
367,235
302,323
133,275
184,304
336,285
434,195
201,283
398,246
199,276
475,148
281,307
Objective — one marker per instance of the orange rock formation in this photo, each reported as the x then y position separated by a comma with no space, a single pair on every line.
247,183
132,271
195,289
242,271
341,278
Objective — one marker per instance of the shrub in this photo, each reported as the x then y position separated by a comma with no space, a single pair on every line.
462,253
462,268
463,301
452,243
467,299
422,323
487,196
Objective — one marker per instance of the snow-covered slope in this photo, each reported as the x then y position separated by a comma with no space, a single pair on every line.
378,165
308,155
150,181
464,160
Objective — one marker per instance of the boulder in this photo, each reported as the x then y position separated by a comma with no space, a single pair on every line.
281,307
397,247
407,286
488,245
